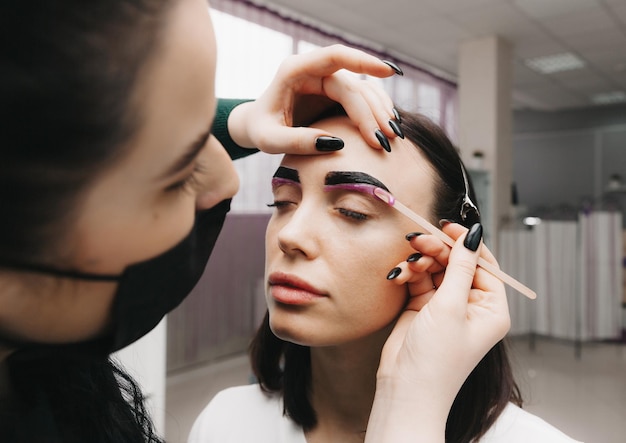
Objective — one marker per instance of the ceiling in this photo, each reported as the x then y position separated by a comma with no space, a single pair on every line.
428,33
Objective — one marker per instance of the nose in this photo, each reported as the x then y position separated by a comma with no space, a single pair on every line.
218,179
224,186
300,235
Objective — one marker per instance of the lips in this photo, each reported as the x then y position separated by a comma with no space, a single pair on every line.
291,290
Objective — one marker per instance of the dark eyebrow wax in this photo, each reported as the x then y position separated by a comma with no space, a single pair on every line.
347,177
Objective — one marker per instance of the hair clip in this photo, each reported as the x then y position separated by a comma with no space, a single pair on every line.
467,205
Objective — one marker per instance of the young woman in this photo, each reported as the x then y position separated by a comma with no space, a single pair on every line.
334,294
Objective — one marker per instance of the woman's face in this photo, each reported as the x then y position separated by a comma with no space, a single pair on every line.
145,203
329,247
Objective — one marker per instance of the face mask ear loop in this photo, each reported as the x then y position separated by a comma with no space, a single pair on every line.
467,205
60,273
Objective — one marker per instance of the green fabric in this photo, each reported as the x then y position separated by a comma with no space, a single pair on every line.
220,128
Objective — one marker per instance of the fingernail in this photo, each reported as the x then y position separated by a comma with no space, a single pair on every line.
383,140
445,221
396,115
393,273
327,143
396,128
412,235
475,234
393,66
414,257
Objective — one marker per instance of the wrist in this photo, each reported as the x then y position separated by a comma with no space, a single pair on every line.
407,412
237,124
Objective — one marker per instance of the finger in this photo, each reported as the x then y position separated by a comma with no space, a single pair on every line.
362,105
429,245
424,264
455,229
325,61
301,140
419,298
419,284
461,269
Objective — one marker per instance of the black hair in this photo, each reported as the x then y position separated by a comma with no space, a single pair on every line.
73,398
284,367
69,69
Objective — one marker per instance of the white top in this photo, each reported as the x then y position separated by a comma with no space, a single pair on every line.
246,414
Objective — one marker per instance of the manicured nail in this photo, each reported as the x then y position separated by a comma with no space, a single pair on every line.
396,128
412,235
393,273
414,257
383,140
327,143
393,66
445,221
475,234
396,115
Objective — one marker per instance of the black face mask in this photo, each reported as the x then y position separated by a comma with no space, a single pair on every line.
147,290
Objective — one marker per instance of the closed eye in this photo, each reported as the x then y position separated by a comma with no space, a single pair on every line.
190,183
358,216
278,204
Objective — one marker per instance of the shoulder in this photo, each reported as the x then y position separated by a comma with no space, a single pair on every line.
241,414
516,425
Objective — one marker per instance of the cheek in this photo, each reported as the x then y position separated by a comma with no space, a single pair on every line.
364,275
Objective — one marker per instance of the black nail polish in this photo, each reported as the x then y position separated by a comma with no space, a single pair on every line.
396,128
396,115
393,273
393,66
327,143
412,235
475,234
414,257
383,140
445,221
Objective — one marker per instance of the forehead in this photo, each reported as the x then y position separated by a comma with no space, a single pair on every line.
405,171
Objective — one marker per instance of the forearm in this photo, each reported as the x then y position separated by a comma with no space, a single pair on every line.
399,415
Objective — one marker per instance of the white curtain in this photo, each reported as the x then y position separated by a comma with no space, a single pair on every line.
576,269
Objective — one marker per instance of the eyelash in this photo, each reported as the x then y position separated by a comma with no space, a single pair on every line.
357,216
189,183
278,204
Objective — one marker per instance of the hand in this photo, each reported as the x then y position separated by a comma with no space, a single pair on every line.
438,339
304,86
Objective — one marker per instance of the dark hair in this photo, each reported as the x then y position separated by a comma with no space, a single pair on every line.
72,398
69,69
284,367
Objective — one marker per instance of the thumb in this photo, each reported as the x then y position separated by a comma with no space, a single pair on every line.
461,268
300,140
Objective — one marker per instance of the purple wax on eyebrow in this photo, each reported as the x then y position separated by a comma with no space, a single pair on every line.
277,181
358,187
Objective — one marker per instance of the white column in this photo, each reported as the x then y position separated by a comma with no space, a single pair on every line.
485,120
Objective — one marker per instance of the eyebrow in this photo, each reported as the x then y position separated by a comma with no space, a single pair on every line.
348,177
190,154
287,174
